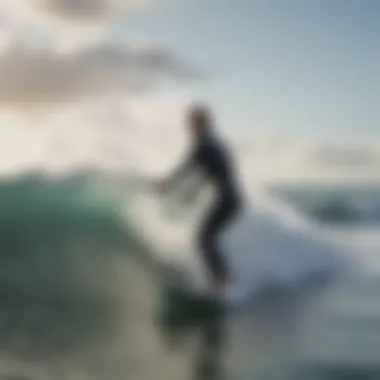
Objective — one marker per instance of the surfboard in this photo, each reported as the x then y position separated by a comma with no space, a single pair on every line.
190,291
191,298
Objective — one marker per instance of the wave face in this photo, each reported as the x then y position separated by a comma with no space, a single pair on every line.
46,225
78,291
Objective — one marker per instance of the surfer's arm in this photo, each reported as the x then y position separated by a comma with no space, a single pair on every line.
193,189
181,171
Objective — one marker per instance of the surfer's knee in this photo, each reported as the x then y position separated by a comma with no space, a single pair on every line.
205,241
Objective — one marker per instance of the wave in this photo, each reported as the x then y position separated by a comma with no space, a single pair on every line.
83,258
43,225
66,230
270,244
73,276
349,204
345,210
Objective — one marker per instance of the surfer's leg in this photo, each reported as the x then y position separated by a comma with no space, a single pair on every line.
216,220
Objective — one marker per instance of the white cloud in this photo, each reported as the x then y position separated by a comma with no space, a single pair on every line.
139,134
284,158
73,22
75,11
53,52
84,9
351,158
31,76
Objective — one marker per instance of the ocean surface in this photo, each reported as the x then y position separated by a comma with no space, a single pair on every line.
83,296
335,205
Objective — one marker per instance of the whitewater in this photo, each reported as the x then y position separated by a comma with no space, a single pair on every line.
269,245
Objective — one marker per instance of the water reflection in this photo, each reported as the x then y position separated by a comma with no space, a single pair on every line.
255,342
182,321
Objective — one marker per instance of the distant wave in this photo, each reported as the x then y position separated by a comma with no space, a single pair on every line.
344,210
359,204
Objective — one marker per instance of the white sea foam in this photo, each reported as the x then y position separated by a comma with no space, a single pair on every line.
268,245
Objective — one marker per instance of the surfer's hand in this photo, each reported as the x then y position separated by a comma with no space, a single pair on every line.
188,197
161,187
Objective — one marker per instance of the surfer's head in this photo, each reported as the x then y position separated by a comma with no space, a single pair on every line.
200,120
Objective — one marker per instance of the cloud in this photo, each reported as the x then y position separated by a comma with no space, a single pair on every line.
76,11
84,9
31,76
285,158
73,22
53,52
330,156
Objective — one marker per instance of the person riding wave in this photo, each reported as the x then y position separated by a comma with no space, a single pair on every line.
212,158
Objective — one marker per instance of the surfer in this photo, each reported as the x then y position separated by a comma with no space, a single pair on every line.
212,159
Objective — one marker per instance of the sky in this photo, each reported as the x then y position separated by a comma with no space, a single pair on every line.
306,67
295,82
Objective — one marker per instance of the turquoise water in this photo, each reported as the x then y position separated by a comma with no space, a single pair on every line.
82,298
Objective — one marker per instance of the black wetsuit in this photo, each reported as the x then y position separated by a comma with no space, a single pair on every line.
213,159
